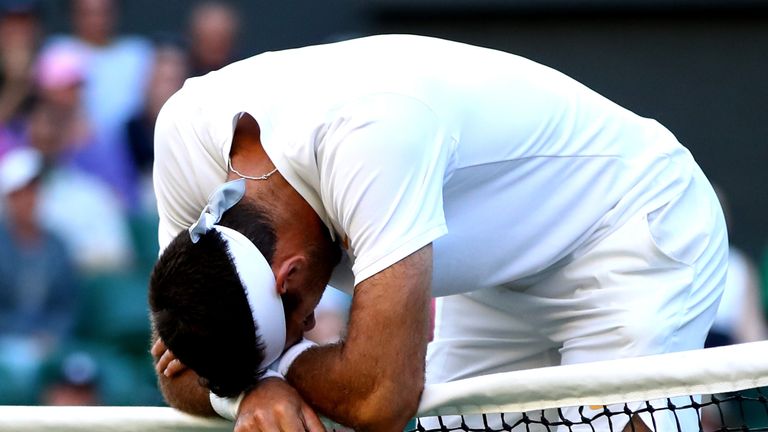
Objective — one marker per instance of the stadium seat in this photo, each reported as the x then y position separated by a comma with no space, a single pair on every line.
114,312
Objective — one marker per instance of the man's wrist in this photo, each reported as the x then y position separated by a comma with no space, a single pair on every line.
228,407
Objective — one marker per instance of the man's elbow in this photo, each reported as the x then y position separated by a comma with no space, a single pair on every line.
388,408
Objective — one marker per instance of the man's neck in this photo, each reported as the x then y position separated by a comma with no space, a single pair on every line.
247,155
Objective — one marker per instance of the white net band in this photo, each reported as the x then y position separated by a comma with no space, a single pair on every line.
701,372
709,371
104,419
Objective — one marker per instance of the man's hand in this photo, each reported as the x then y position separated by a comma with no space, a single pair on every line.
272,406
167,364
180,385
275,406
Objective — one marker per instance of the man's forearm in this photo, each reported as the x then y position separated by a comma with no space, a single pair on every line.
373,380
185,393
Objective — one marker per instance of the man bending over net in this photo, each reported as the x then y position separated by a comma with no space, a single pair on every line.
555,226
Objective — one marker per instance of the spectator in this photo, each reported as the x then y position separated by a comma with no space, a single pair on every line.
19,36
213,28
37,284
169,70
116,69
60,76
74,204
71,380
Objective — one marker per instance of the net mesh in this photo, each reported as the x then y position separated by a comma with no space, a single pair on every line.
744,410
718,389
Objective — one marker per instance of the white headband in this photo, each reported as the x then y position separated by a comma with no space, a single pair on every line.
252,268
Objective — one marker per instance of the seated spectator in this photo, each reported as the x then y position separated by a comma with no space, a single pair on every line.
169,70
71,379
115,69
60,76
213,28
74,204
37,284
20,32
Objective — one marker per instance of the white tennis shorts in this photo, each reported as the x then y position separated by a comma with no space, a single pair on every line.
652,286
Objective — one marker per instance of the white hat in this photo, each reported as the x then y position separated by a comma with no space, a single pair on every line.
18,168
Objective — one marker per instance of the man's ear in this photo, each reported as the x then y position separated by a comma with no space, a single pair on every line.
289,274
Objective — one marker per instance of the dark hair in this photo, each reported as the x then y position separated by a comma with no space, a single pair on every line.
199,307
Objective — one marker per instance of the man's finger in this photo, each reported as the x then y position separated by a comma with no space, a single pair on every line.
158,348
312,422
164,361
174,367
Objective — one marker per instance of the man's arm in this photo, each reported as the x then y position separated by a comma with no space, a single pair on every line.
181,389
384,167
373,380
278,405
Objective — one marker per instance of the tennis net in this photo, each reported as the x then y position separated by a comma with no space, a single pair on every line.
716,389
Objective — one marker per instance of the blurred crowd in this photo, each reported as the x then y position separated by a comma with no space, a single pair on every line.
77,213
78,233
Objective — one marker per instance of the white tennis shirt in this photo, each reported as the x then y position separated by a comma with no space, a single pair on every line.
508,167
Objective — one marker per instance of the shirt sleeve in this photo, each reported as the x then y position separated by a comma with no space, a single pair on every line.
169,192
185,171
383,162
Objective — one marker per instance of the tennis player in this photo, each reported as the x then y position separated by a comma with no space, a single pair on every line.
554,226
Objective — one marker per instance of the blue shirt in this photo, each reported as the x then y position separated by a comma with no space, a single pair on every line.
37,286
